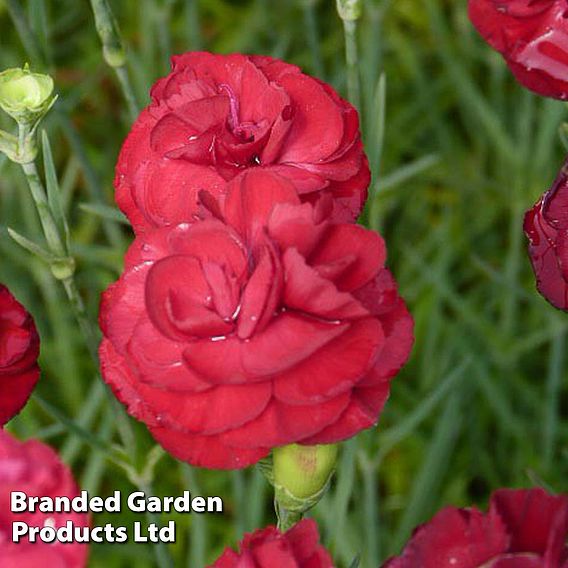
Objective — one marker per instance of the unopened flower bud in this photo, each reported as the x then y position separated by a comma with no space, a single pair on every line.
301,475
24,95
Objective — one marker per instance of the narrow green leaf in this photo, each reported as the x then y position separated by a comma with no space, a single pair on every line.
396,434
427,483
75,428
32,247
404,173
105,212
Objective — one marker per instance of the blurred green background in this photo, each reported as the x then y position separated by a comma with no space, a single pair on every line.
458,152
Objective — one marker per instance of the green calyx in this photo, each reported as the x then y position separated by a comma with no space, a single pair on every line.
24,95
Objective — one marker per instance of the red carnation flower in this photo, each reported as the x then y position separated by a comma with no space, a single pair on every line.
523,529
19,348
35,469
268,548
532,36
262,324
546,226
214,116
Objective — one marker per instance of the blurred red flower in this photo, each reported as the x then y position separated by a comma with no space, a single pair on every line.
525,528
19,349
269,548
214,116
532,36
264,323
546,226
35,469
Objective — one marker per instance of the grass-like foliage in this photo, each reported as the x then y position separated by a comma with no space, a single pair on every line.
458,152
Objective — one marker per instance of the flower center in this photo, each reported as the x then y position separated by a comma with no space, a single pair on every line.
243,131
234,106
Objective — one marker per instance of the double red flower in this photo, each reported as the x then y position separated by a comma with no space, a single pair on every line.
532,36
19,349
546,226
35,469
263,323
269,548
250,313
523,529
215,116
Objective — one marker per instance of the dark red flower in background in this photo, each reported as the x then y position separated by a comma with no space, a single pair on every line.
217,115
269,548
19,349
35,469
523,529
264,323
546,226
532,36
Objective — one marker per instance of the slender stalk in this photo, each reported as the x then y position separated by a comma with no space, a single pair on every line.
370,509
312,35
57,246
198,527
352,58
113,51
80,314
78,307
40,199
238,483
192,25
163,558
127,91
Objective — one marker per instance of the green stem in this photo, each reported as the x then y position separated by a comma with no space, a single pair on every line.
352,58
46,218
197,549
80,314
161,553
77,305
312,34
127,91
57,246
113,51
192,25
